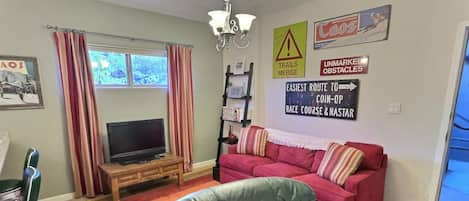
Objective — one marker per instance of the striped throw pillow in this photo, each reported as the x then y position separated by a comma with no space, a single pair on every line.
339,162
252,140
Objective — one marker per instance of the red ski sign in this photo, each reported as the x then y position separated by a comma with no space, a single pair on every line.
360,27
337,28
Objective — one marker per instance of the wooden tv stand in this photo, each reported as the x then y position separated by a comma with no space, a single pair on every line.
119,176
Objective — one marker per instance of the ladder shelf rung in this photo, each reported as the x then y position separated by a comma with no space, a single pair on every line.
238,98
235,75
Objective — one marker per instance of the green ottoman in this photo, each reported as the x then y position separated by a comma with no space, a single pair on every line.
257,189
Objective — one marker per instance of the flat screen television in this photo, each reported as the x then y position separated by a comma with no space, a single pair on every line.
136,141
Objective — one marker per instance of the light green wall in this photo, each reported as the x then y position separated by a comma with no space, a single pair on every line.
23,34
121,104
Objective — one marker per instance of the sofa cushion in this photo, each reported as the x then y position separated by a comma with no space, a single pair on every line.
373,155
271,150
324,189
243,163
296,156
318,156
278,170
229,175
339,162
252,140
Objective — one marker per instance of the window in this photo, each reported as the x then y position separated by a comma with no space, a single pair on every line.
149,70
115,69
109,68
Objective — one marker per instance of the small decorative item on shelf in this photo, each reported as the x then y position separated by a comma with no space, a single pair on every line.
239,66
235,91
232,138
239,114
229,113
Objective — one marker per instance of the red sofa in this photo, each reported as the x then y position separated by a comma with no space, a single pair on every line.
367,184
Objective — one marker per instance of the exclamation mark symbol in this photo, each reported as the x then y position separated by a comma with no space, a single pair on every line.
288,46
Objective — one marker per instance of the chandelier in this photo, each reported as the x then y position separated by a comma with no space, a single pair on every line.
227,30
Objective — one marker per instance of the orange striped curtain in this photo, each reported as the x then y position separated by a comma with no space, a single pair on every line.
81,114
181,103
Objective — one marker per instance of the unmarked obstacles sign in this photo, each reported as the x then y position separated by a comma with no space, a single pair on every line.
326,98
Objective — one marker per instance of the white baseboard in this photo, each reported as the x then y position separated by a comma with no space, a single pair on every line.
203,164
64,197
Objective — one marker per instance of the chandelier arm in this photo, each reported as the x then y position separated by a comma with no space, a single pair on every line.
227,27
221,43
233,26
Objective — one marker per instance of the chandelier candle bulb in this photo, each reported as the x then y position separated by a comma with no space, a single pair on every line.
245,21
218,18
215,31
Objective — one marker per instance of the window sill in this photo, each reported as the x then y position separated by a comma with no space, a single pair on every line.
129,87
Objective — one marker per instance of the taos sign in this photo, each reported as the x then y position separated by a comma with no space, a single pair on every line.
13,66
360,27
344,66
337,28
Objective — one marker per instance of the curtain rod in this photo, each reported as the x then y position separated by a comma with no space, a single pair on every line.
57,28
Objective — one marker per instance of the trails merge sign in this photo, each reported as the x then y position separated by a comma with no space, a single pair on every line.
290,50
326,98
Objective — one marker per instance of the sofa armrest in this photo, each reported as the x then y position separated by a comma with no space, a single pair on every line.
232,149
367,184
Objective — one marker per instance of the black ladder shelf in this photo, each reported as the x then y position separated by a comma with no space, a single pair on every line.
244,122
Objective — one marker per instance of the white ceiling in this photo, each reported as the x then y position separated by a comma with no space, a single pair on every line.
191,9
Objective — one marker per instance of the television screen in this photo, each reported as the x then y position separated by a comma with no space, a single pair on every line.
134,140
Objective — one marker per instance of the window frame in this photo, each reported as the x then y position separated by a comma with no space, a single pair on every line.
128,52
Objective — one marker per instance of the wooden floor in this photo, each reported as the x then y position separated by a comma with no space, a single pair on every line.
196,173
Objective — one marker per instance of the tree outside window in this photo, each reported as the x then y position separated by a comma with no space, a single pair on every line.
111,69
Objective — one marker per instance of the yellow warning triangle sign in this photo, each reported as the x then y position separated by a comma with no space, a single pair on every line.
289,49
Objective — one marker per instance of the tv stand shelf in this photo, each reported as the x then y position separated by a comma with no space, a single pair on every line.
119,176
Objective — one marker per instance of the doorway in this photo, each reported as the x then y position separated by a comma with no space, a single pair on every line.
455,181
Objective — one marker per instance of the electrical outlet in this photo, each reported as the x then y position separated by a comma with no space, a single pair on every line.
394,108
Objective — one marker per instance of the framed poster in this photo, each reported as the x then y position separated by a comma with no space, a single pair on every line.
20,86
336,99
290,51
361,27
